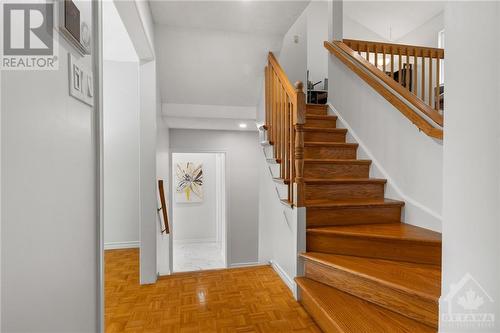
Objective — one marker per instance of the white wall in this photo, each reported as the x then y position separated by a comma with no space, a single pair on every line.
277,227
242,156
149,106
49,221
138,22
163,172
409,159
196,221
211,67
293,55
355,30
317,33
296,58
471,211
121,154
426,34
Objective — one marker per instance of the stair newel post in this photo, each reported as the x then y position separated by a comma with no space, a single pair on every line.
299,121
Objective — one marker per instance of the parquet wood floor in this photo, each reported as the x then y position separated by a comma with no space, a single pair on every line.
250,299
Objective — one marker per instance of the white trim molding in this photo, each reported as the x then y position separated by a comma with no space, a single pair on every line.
245,264
283,275
122,245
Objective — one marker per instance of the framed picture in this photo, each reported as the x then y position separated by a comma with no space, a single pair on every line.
75,22
189,182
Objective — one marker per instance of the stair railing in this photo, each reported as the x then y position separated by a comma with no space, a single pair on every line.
285,118
406,76
416,68
165,227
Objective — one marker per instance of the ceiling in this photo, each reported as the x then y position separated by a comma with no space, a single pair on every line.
392,20
117,45
213,53
266,17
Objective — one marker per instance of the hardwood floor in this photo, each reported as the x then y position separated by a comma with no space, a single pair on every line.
250,299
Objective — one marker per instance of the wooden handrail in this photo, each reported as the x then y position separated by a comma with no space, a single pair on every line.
281,74
379,81
163,208
285,116
411,50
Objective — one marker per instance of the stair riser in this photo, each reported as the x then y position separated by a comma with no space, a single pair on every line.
316,110
322,217
322,123
336,171
326,192
316,136
343,153
399,250
398,300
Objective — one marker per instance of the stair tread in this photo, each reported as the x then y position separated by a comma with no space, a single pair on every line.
286,203
322,129
399,231
329,144
356,203
320,116
312,105
419,279
266,143
340,181
345,181
336,161
351,314
281,180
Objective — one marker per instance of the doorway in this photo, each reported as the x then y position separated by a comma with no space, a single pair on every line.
199,211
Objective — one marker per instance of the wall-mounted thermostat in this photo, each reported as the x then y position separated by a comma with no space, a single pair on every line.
81,79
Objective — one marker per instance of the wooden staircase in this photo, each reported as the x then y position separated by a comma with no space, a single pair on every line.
365,271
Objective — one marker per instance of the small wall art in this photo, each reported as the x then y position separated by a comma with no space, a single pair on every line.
189,182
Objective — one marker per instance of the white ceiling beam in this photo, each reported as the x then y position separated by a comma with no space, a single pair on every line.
209,111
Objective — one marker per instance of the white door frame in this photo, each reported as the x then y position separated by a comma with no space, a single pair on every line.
227,251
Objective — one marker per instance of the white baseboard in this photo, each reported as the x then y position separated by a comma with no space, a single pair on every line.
283,275
245,264
122,245
195,241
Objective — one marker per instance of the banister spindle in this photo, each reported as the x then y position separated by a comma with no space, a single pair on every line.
282,126
392,62
437,92
400,66
423,77
415,70
430,78
383,60
407,72
299,143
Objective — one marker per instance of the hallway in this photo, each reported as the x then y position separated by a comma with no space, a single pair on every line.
250,299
